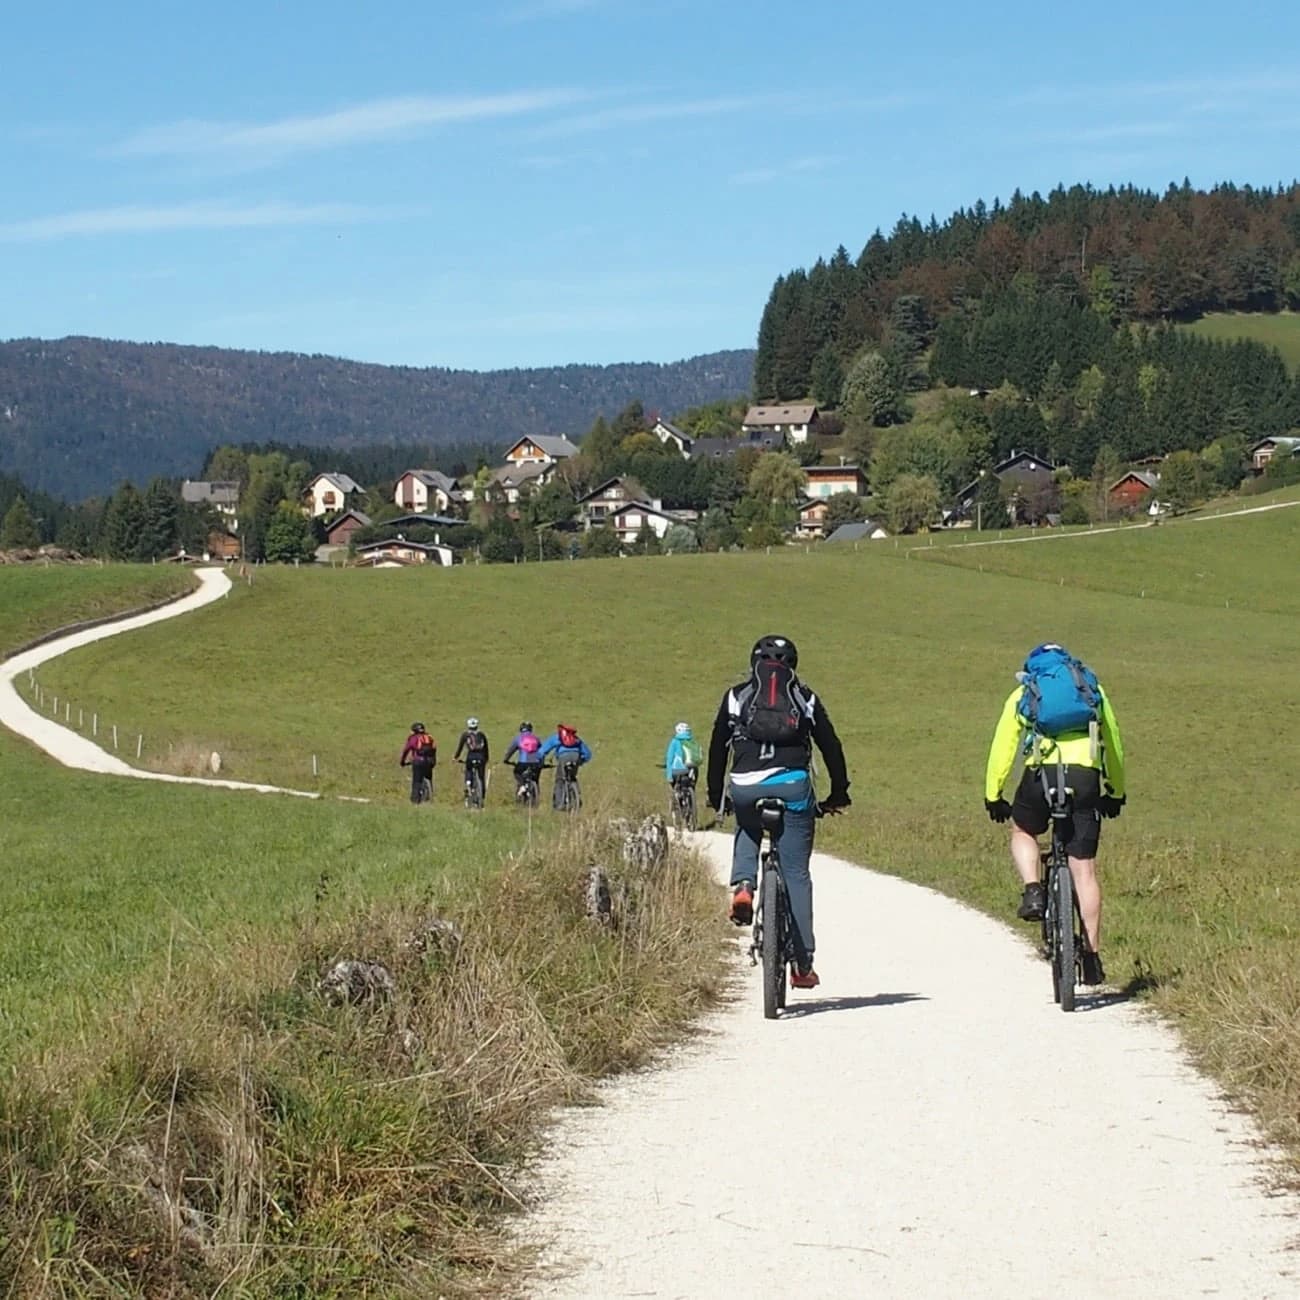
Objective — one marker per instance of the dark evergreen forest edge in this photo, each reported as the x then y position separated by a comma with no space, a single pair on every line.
1059,313
80,415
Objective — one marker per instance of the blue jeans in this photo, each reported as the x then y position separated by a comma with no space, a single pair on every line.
795,847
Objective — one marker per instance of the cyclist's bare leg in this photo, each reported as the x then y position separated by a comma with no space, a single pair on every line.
1024,853
1087,890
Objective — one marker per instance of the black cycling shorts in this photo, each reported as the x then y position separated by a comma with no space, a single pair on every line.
1030,812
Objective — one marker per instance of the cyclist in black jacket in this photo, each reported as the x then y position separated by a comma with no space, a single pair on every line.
780,771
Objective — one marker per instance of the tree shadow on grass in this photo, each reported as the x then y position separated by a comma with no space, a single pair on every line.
816,1006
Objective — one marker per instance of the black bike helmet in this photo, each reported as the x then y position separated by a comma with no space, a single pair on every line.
417,726
774,647
525,726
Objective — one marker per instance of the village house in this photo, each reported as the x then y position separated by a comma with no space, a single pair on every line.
221,494
513,479
397,552
720,448
427,489
1132,491
1028,479
1264,451
671,436
795,423
611,495
812,519
830,480
539,449
223,544
628,520
340,530
329,493
869,530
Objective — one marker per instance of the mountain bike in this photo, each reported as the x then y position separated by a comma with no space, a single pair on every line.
527,790
423,788
1064,938
682,799
566,796
475,787
772,937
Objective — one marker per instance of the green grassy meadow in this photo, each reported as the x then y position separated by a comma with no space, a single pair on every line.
913,654
38,597
1279,330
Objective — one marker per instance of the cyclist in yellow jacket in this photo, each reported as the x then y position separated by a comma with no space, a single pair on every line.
1094,771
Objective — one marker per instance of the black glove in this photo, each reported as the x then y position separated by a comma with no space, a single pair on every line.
1109,805
835,803
998,810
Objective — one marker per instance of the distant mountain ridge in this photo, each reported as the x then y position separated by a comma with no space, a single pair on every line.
78,415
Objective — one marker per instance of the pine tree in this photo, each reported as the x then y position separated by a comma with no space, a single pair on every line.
827,376
158,531
19,530
122,524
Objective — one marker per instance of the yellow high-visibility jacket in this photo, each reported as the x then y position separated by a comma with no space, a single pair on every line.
1107,753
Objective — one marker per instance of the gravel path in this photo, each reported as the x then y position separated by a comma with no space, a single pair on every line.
74,750
927,1123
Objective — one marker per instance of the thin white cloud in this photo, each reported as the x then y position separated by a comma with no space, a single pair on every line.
378,119
1111,131
215,215
1186,93
796,167
665,110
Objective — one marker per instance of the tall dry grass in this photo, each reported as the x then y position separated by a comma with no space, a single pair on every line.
235,1132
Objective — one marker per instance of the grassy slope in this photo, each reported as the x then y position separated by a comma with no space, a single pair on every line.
37,597
913,657
1279,330
154,935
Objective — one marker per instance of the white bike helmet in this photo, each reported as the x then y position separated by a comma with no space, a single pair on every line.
682,729
471,724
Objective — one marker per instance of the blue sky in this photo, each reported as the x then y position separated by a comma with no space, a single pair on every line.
532,182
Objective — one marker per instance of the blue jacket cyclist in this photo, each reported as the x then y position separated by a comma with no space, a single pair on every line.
765,770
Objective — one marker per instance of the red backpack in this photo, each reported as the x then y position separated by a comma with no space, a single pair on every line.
567,737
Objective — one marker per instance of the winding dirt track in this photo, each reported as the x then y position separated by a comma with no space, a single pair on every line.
74,750
927,1123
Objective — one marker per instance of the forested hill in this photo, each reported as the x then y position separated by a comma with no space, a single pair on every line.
79,415
1125,255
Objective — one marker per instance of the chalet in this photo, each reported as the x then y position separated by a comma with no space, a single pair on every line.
1029,478
721,448
812,518
223,544
869,530
1132,491
600,502
422,520
340,530
539,449
426,489
221,494
396,552
829,480
1264,451
671,436
513,479
329,493
794,423
628,520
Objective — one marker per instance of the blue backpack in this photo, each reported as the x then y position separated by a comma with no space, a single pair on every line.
1061,696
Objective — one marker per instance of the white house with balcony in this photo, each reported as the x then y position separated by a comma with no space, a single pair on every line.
794,422
327,494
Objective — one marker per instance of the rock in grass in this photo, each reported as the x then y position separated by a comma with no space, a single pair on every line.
646,846
436,935
599,903
357,982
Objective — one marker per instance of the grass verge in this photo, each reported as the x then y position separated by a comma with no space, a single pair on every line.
232,1129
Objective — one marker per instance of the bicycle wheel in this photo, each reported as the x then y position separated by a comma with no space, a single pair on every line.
787,945
474,789
575,795
688,808
769,902
1063,968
